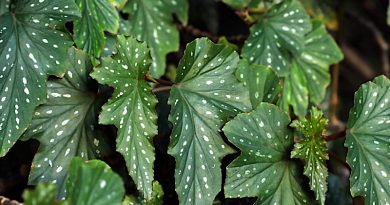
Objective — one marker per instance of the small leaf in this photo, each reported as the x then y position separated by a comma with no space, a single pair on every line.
30,49
157,198
93,183
280,30
43,194
263,170
159,33
205,95
314,151
66,126
368,142
261,81
310,75
97,16
131,108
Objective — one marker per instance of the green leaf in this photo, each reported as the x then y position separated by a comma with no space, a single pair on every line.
157,198
368,142
97,16
131,108
180,8
118,3
323,11
310,75
242,3
314,151
4,6
263,169
43,194
261,81
281,30
158,31
66,126
93,183
205,95
388,14
30,49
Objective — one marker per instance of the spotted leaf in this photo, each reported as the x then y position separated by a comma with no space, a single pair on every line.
152,22
261,81
368,142
66,126
281,30
30,49
97,16
313,150
157,198
263,169
4,6
131,108
205,95
93,183
43,194
310,75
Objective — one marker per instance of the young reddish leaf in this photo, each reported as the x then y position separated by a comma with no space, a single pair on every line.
368,134
263,169
97,16
131,108
66,126
30,49
159,33
205,95
313,150
280,30
309,74
261,81
93,183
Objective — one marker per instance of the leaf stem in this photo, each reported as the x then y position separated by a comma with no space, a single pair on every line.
341,161
161,89
335,136
157,81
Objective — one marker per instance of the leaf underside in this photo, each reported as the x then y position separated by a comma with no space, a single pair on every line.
206,93
131,108
66,126
263,169
30,49
368,142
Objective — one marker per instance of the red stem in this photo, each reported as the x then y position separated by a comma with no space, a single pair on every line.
335,136
161,89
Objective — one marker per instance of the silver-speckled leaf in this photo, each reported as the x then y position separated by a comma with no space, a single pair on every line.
152,22
4,6
261,81
205,95
131,108
93,183
280,31
97,16
263,169
66,126
30,49
368,142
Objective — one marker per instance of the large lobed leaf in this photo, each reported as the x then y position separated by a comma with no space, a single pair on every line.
368,142
152,22
280,31
30,49
205,95
93,183
313,150
97,16
263,169
66,126
131,108
309,75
